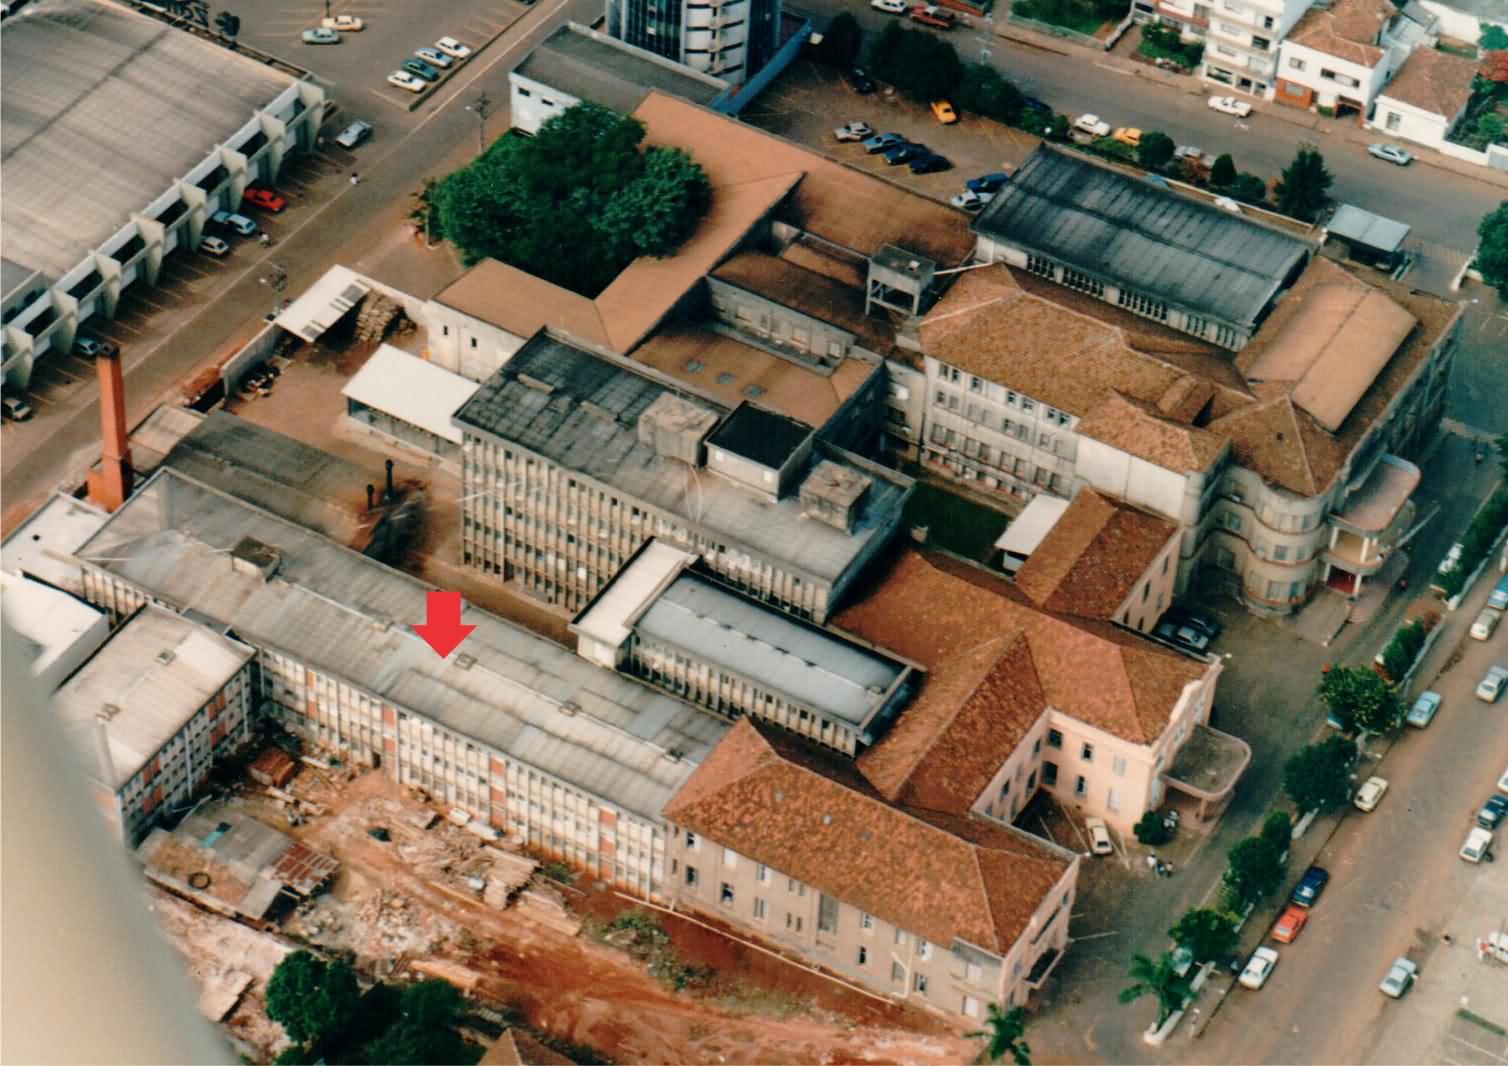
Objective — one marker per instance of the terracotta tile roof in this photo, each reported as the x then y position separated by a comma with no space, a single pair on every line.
1138,429
816,294
933,609
1283,445
809,814
517,1048
1433,81
1093,557
521,303
1348,29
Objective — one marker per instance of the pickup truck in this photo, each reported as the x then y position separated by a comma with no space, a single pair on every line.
930,15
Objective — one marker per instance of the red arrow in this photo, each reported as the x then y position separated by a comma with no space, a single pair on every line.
442,629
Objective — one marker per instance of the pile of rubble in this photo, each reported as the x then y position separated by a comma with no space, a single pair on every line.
545,906
379,315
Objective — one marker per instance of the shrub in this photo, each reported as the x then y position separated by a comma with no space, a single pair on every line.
1249,189
1151,831
1477,541
1223,173
1155,150
1403,649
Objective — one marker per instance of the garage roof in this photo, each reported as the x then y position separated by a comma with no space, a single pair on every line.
411,390
101,109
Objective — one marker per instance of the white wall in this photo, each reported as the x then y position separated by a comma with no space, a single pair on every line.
1412,123
1459,24
465,345
1369,79
533,103
1135,480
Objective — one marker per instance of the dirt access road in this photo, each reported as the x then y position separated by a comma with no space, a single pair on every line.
592,994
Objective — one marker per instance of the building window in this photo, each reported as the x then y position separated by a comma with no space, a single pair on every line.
730,858
691,840
761,872
900,936
897,974
827,914
866,921
1074,279
1118,766
1054,739
921,983
1087,753
971,1006
1080,786
1393,121
863,956
1049,774
725,896
759,908
691,876
923,949
1037,264
1113,800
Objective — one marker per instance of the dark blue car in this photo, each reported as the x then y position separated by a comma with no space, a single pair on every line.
987,183
1308,890
420,69
905,153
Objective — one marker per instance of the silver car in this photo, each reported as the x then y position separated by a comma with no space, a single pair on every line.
1491,686
1390,153
354,134
1401,976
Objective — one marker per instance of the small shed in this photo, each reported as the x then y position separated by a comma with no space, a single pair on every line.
1369,238
409,400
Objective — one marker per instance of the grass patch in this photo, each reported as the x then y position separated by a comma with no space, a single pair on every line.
954,523
640,933
1078,19
769,1002
1476,1019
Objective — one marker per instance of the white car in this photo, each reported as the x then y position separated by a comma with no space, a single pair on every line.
1391,153
1259,968
434,57
1230,105
1486,622
1478,845
453,48
1401,976
1503,782
1225,203
1099,836
1370,793
404,80
970,201
890,7
345,23
1448,563
1491,686
354,134
854,131
1092,124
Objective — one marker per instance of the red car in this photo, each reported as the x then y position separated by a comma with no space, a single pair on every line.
266,199
929,15
1290,924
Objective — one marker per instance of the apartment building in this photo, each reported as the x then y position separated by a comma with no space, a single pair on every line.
729,39
950,913
1241,37
661,620
1338,57
150,712
572,460
562,756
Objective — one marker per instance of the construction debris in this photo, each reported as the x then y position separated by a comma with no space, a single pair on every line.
219,993
379,315
464,979
545,906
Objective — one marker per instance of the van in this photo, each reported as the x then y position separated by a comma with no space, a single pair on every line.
1478,845
1485,624
1498,598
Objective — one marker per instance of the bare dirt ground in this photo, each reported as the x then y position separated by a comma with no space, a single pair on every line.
404,904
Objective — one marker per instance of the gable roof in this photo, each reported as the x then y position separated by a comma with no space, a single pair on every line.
807,813
1282,445
1138,429
1159,243
1094,556
1346,29
1434,81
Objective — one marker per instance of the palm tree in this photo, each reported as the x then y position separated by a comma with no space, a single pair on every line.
1158,979
1002,1034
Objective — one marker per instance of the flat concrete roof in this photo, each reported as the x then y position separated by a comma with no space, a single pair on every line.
42,546
100,110
411,390
594,67
49,618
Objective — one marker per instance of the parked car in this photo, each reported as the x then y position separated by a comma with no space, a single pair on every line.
453,48
15,408
1259,968
1307,892
1127,135
1503,781
1491,686
905,153
931,163
93,347
263,197
1204,623
929,15
1400,978
1391,153
943,111
1194,154
1183,636
883,142
434,57
354,134
420,69
404,80
859,80
1183,961
1370,793
320,36
1492,811
1290,924
854,131
1099,836
1452,557
969,201
214,246
240,223
987,184
1092,124
344,23
1486,623
1478,845
890,7
1422,713
1230,105
1497,599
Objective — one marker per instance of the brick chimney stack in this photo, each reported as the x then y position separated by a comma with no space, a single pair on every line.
111,484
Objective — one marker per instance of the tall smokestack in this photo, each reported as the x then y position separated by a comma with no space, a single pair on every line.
388,496
109,487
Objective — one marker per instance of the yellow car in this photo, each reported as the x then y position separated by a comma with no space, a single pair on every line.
1127,135
943,112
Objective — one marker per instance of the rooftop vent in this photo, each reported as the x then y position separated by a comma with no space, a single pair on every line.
465,662
753,392
569,708
251,556
108,711
676,428
165,657
529,381
726,378
832,493
693,366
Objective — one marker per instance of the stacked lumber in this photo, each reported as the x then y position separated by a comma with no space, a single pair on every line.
544,906
458,975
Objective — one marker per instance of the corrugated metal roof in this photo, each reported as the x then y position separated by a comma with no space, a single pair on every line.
1363,227
587,421
1185,252
349,616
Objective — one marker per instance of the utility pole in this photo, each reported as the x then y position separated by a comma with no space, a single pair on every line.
481,108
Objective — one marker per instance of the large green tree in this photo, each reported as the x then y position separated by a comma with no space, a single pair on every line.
1255,871
424,1030
1492,249
311,998
1318,777
576,203
841,41
1002,1035
984,92
1304,188
1223,173
1208,934
1155,149
1359,699
885,52
1156,979
930,67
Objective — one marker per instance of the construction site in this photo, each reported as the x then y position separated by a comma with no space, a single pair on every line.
420,892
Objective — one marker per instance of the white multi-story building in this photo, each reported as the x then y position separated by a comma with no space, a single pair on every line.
1241,37
1337,58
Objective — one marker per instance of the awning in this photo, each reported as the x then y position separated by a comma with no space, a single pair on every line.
324,302
411,390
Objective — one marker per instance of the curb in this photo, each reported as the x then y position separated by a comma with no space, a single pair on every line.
420,99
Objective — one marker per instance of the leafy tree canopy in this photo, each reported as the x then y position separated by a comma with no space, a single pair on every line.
1223,172
984,92
576,203
1304,188
1360,699
1494,38
1002,1034
311,998
1208,934
1249,189
424,1031
1156,979
1255,871
1155,149
1492,249
1318,777
841,41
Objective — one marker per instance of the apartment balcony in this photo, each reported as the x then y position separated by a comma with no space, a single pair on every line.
1207,768
1373,508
